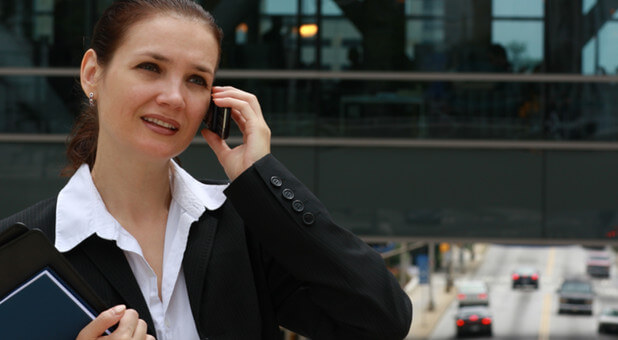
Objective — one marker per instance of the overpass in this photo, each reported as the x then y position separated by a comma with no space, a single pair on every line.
402,189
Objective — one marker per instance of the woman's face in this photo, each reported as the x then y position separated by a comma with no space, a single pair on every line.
153,94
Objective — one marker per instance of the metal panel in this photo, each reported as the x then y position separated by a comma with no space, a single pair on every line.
423,193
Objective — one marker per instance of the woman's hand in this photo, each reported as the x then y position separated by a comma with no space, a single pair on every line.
247,113
130,326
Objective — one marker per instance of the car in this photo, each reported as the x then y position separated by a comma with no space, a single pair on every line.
472,293
473,320
608,320
525,277
576,295
598,263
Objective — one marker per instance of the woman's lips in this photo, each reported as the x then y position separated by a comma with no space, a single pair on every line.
160,126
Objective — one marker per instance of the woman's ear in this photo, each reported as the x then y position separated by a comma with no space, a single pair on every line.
89,71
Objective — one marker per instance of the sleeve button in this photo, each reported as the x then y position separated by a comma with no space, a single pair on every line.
276,181
288,194
298,206
308,218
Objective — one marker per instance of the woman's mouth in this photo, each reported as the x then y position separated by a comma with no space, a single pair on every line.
160,123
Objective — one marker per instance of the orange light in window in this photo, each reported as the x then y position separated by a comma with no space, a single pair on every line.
308,30
242,27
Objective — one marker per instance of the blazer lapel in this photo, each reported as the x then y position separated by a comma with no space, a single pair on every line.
112,263
109,260
196,257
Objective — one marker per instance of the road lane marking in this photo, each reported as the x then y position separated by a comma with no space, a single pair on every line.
549,268
545,316
546,310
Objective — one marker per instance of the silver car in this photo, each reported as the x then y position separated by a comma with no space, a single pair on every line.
472,293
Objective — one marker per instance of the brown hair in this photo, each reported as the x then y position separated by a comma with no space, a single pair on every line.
108,34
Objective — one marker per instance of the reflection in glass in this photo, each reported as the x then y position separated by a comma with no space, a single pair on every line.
32,104
523,41
608,49
502,37
510,8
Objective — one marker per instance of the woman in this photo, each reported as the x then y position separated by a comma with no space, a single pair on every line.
181,259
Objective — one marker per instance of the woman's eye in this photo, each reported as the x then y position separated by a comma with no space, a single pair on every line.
149,67
198,81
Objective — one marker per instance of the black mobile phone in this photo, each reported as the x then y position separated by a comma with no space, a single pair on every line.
218,119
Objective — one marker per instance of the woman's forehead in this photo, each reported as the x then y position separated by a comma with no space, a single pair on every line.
171,35
161,25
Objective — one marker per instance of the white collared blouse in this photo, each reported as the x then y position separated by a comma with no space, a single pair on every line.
81,212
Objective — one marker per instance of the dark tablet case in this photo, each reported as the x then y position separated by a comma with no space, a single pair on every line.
25,252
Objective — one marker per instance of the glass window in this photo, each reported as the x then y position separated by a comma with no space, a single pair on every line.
407,37
510,8
589,54
608,49
279,7
523,41
424,7
587,5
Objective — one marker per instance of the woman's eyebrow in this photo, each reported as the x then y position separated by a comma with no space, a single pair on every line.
203,69
155,56
159,57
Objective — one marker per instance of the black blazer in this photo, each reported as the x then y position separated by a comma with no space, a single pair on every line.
270,256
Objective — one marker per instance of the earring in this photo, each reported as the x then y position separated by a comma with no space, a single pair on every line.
91,99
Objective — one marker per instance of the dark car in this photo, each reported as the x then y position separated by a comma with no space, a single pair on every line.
608,320
473,320
525,277
576,295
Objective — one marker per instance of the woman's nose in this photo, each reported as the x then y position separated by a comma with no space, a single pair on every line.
171,95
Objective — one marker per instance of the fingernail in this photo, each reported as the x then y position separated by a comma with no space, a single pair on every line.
119,309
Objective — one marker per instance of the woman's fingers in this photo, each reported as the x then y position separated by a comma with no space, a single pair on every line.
247,103
240,120
140,331
128,324
101,323
247,114
215,142
244,108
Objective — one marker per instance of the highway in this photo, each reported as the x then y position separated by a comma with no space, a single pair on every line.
528,313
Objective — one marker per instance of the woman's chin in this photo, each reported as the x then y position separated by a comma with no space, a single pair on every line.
158,152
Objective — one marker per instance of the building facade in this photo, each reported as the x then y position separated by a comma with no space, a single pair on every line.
409,118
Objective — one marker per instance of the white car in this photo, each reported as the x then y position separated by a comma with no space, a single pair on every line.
598,263
608,320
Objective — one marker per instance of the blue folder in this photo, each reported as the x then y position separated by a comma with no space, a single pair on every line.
43,308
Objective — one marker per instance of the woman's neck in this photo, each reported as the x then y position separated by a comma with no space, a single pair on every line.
134,191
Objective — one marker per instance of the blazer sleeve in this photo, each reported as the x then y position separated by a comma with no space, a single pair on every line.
325,282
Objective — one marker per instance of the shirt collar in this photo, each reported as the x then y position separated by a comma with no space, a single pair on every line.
81,212
194,196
